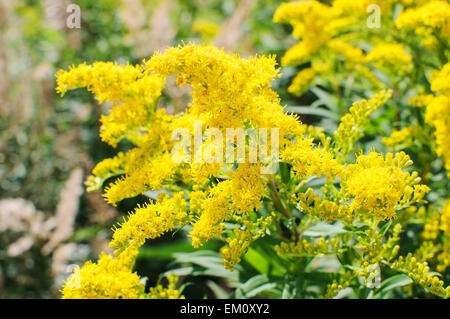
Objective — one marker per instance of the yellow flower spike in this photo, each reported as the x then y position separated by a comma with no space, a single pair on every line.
421,100
377,185
438,114
236,247
333,289
434,15
440,83
391,56
302,80
419,275
151,221
110,277
307,161
352,124
321,247
231,92
132,91
169,292
403,137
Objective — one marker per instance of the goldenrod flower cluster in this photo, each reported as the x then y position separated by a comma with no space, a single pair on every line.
324,209
430,20
403,47
132,91
419,272
336,286
437,226
111,277
351,127
378,185
239,244
331,37
438,113
169,292
151,221
403,137
108,278
229,92
390,56
319,247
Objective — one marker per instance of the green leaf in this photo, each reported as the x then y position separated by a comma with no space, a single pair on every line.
321,112
256,260
218,291
360,228
395,281
169,249
323,229
165,250
183,271
263,288
285,172
255,286
254,282
385,227
88,232
290,288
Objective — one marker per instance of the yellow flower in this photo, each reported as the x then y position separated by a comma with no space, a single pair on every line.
169,292
420,273
133,91
232,92
391,56
433,14
308,161
421,100
241,239
110,277
440,82
377,186
151,221
216,209
310,20
352,124
302,80
438,114
400,137
352,55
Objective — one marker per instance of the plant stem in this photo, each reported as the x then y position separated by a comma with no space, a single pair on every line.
277,200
